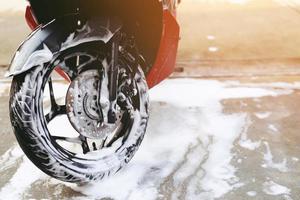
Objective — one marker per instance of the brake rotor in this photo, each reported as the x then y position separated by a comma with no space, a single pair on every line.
87,107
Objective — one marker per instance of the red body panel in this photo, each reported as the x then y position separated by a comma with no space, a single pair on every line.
62,73
30,18
166,56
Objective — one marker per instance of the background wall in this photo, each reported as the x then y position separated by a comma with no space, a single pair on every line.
218,34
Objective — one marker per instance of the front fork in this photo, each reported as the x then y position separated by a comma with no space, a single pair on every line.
113,78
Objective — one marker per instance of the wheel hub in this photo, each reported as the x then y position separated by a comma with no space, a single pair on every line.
87,107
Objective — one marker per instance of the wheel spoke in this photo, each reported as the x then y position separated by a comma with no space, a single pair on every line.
61,110
84,144
116,136
102,145
52,97
55,111
49,116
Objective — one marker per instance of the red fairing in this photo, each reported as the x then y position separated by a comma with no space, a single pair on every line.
166,57
62,74
30,18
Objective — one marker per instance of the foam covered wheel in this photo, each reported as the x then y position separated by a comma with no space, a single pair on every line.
101,156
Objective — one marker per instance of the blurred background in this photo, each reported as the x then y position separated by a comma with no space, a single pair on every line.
240,34
234,128
218,37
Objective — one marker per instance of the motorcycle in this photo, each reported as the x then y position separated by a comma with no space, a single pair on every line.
110,52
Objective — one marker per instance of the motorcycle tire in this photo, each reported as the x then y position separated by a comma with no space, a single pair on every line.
30,128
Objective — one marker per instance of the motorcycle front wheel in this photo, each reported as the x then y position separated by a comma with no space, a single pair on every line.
95,149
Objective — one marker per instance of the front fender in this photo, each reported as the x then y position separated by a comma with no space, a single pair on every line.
58,35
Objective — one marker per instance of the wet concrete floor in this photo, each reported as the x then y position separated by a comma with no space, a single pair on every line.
263,160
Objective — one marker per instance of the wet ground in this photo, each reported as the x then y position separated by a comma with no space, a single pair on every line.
207,139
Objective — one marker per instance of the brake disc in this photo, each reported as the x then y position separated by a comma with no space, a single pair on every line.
87,107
